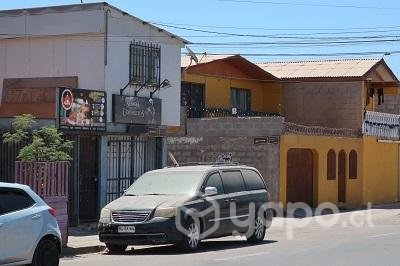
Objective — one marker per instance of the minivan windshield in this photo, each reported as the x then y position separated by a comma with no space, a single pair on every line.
166,183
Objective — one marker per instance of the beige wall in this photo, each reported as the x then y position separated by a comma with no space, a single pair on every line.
329,104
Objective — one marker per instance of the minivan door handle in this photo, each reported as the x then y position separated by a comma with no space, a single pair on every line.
226,200
36,216
233,199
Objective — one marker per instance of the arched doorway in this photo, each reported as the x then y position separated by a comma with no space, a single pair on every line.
342,177
299,181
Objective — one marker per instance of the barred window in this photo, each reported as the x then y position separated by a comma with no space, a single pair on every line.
353,165
144,64
331,165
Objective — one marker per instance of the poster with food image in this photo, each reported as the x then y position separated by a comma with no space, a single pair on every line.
81,109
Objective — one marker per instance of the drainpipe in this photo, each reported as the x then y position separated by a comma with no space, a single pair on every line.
106,35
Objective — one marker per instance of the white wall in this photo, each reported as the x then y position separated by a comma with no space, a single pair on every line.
122,30
54,57
81,53
53,23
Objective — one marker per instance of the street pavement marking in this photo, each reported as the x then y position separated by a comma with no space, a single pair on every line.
242,256
387,234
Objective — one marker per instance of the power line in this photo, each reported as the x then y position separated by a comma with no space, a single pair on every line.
298,43
382,53
274,29
309,4
263,35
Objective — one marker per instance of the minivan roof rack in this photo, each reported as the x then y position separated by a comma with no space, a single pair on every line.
209,163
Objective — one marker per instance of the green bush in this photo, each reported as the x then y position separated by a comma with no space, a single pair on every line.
44,144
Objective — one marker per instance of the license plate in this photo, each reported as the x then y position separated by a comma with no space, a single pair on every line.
126,229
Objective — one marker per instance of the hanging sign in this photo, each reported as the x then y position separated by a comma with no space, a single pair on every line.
136,110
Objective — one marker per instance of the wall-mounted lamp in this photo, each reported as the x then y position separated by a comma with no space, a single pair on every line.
164,84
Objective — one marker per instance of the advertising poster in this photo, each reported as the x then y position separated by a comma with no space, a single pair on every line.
82,109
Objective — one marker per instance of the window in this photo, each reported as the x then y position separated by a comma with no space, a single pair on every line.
331,165
192,95
214,180
253,180
144,64
240,99
233,181
12,200
353,165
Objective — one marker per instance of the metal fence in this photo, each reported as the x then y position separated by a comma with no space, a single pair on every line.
381,125
128,158
8,155
193,112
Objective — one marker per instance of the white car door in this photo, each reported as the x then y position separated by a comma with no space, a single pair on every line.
20,225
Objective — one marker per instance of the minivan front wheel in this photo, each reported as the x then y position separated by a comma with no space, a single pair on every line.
46,254
112,248
259,231
191,239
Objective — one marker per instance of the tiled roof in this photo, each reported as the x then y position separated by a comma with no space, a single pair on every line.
319,69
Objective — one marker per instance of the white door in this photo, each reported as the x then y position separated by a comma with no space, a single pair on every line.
20,225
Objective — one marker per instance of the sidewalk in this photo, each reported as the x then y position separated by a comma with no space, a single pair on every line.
83,240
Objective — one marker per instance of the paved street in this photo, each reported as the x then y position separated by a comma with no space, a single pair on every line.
342,244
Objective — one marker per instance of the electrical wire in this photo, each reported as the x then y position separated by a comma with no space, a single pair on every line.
382,53
309,4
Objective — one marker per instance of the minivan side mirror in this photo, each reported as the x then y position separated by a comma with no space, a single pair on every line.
210,191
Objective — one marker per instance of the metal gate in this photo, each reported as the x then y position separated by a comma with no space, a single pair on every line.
128,158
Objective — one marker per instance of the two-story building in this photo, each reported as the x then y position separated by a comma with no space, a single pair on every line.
330,143
110,81
335,148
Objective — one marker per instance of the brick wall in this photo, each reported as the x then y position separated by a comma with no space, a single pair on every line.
391,104
235,126
206,139
327,104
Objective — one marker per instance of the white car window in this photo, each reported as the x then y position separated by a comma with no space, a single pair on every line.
12,200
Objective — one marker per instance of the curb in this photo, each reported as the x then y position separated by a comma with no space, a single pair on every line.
70,251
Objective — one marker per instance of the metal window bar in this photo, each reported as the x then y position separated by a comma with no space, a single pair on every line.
128,158
144,64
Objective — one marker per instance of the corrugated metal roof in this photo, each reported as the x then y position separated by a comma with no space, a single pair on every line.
185,59
320,69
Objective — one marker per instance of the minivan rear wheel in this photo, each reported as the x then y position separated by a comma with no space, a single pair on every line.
113,248
46,254
259,230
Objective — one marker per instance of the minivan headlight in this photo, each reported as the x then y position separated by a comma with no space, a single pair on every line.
165,212
105,215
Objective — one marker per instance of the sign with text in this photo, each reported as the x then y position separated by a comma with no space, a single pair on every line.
136,110
82,109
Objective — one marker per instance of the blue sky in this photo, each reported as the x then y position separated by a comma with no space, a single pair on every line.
311,19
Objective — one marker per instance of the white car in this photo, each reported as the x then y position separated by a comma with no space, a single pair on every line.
29,232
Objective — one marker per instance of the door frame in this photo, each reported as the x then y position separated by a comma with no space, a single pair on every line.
97,185
314,181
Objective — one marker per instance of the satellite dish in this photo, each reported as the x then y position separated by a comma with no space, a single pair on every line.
193,56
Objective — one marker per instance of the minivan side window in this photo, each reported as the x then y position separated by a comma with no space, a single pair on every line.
12,200
214,180
253,180
233,181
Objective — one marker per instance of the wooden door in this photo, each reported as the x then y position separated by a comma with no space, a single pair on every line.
88,178
299,187
342,177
